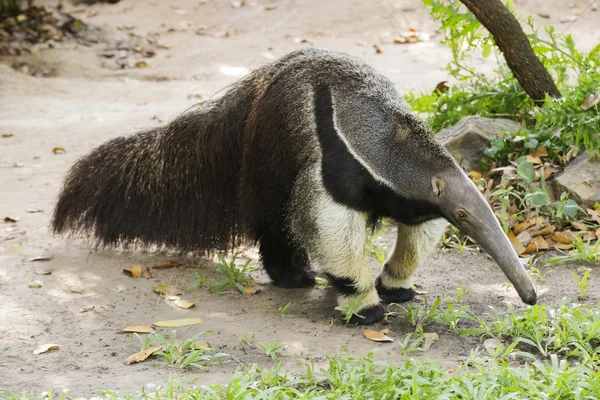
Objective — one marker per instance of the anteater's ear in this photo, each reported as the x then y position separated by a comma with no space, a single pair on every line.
437,186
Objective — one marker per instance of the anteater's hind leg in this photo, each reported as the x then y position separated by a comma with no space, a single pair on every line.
413,245
286,262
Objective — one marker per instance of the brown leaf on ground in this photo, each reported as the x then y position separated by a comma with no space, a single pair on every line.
147,273
545,231
521,226
59,150
519,248
377,49
142,64
177,323
142,355
170,264
598,233
167,290
250,290
42,270
594,214
42,348
376,336
564,237
474,175
524,238
11,220
537,243
534,160
183,303
442,87
541,151
134,270
579,225
138,329
39,258
200,345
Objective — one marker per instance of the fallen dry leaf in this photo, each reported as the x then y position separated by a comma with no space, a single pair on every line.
201,345
376,336
194,96
167,290
141,64
442,87
474,175
177,323
170,264
42,348
142,355
579,225
564,237
34,210
519,248
250,290
594,214
75,289
35,284
147,273
590,101
184,303
59,150
541,151
39,258
377,49
11,219
430,337
521,226
545,231
87,308
598,233
134,270
238,3
524,238
138,329
42,270
534,160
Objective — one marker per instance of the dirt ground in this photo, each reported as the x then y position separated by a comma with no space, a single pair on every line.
88,100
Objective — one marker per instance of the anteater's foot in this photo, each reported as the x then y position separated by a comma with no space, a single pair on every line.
395,295
368,316
304,279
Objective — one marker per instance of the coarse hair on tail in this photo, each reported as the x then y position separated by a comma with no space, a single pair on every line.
174,186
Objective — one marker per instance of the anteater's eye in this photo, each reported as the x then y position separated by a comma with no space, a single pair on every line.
461,214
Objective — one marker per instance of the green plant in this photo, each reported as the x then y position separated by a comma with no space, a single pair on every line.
409,345
272,348
244,340
233,276
380,253
582,283
283,309
198,283
557,125
189,353
351,307
582,252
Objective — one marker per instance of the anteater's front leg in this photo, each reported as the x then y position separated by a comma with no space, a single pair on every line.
413,245
341,253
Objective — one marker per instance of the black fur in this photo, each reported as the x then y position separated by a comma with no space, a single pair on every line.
351,184
342,285
368,316
394,295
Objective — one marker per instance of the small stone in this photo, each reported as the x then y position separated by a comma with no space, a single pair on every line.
467,140
582,179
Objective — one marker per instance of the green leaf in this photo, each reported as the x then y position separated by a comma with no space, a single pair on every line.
525,170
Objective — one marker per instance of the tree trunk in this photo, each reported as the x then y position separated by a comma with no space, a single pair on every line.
513,43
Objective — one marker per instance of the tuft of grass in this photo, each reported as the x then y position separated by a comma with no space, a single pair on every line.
233,275
582,252
272,348
283,309
189,353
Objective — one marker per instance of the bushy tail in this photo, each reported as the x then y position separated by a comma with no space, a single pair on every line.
174,186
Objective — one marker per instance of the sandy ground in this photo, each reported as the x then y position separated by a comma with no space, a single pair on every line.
88,100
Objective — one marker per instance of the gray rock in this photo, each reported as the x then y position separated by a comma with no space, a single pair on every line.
467,140
582,178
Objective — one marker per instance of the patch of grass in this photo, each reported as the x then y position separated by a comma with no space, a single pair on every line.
234,276
582,252
351,307
272,348
189,353
582,284
283,309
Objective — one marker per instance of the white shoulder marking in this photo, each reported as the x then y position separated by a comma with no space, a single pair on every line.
357,157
